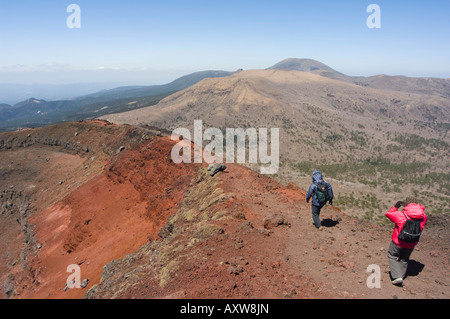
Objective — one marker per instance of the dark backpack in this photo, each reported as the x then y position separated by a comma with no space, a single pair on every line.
411,231
322,192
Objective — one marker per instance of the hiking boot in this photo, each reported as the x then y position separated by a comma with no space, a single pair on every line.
318,228
397,281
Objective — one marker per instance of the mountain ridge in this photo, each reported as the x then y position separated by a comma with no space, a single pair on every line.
180,83
423,85
125,98
27,114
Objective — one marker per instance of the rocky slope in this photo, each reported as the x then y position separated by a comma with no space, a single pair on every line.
81,193
109,199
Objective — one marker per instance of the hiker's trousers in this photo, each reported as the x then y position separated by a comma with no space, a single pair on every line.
315,215
398,260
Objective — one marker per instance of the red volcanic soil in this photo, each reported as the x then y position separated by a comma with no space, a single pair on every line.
110,205
243,235
108,217
109,199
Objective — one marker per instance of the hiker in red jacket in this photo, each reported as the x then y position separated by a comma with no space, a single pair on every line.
400,251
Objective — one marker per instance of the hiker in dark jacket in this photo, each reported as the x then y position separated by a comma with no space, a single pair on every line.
317,203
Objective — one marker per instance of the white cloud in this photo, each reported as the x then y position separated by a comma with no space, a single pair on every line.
104,68
53,65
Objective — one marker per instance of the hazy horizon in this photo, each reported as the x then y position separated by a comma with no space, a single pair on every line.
145,78
15,92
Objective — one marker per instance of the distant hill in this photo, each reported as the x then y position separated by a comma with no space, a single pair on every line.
35,112
127,92
423,85
310,65
4,106
304,65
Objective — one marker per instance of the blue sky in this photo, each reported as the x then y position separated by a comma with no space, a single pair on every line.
152,42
